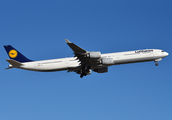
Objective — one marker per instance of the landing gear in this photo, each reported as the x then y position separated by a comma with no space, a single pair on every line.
81,76
156,64
85,71
157,60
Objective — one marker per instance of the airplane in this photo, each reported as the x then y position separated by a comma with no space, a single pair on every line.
84,61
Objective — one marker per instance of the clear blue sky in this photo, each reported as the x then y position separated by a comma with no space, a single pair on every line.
37,28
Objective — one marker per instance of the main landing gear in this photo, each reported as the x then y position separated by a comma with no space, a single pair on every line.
81,76
85,71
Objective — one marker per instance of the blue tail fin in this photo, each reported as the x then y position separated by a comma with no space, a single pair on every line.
15,55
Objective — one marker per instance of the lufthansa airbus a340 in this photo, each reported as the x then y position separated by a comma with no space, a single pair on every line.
84,61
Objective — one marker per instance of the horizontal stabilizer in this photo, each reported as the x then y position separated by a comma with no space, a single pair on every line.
14,63
8,68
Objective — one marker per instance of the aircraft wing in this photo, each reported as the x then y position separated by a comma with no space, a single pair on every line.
86,58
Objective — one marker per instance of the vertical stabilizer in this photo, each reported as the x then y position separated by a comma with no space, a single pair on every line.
15,55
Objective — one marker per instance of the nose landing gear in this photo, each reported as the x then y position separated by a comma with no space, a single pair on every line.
157,60
156,64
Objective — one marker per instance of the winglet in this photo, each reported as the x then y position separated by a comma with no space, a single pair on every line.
74,47
67,41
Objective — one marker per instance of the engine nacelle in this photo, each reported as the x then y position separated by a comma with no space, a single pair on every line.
94,55
107,61
101,70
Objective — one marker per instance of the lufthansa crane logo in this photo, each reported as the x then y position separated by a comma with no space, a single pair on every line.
13,53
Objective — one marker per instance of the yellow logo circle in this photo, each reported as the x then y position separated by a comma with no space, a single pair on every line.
13,53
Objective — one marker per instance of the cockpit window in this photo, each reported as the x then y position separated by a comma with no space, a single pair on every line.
162,51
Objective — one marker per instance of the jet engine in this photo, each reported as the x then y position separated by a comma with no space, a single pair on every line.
107,61
94,54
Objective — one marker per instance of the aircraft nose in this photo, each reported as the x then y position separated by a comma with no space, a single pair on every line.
166,53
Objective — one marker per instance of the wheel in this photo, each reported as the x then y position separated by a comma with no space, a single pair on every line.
81,76
156,64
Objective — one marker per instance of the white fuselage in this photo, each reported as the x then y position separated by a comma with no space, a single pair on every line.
118,58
